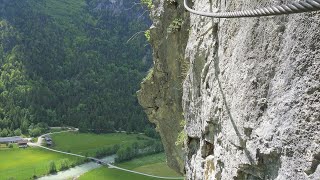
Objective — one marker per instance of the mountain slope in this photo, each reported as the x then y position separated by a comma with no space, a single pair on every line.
68,62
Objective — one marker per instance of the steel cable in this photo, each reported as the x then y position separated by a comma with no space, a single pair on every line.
295,7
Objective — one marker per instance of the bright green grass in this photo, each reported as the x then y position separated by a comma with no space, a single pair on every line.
88,144
158,169
24,163
112,174
153,164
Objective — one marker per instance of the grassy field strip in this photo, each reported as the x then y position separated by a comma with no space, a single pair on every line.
115,167
87,144
57,151
144,174
152,164
112,174
25,163
158,169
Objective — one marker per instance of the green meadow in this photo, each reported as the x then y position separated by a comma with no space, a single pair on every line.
88,144
26,163
112,174
34,162
153,164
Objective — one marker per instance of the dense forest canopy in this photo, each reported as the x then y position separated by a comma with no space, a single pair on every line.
69,62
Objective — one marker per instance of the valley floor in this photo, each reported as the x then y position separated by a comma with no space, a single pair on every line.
153,164
34,162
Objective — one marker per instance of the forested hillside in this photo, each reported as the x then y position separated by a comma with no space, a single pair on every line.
69,62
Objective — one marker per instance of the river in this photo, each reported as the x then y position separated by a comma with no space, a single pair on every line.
78,170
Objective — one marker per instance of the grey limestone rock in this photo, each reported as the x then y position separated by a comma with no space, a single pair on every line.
251,95
254,83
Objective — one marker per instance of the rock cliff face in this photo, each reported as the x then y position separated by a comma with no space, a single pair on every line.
161,91
251,97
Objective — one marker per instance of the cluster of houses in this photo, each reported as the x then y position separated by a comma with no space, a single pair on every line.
21,142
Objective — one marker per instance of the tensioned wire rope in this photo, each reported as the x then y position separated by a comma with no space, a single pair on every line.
290,8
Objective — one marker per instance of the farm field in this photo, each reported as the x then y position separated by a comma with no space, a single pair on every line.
153,164
88,144
25,163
